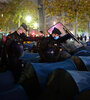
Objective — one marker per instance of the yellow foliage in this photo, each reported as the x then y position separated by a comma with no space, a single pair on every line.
72,8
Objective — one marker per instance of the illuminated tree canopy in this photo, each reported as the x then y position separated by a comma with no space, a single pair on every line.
69,9
15,12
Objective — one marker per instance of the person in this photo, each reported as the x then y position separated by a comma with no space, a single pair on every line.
14,64
78,37
50,49
81,38
85,38
18,35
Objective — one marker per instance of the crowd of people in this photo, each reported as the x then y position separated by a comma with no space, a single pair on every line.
48,47
12,48
82,38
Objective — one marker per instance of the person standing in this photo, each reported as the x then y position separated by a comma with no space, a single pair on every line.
50,49
85,38
17,36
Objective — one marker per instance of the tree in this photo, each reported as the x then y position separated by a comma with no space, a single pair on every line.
71,9
16,10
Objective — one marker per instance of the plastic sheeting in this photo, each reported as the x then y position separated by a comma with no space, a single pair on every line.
66,84
16,93
30,57
82,53
88,43
82,79
88,48
6,81
44,69
86,61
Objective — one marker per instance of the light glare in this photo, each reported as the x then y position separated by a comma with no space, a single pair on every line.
28,19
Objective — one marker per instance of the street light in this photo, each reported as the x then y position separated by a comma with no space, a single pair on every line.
35,25
54,23
1,15
28,19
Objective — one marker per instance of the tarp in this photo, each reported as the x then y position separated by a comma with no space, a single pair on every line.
30,57
82,53
86,61
66,84
88,48
44,69
28,46
82,79
88,43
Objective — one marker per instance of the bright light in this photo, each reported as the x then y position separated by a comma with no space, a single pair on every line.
54,22
33,33
35,25
1,15
28,19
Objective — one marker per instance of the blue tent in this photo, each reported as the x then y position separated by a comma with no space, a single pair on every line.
66,84
6,81
43,69
16,93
